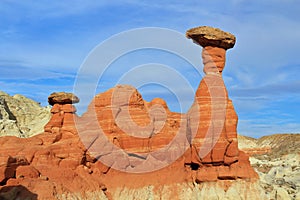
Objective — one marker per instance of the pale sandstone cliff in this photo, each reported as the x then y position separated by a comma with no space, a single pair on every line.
21,116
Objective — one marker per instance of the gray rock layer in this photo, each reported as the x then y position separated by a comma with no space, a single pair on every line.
278,169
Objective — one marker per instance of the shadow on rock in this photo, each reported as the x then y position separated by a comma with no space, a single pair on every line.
16,192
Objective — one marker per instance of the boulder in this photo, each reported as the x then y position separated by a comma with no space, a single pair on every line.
209,36
62,98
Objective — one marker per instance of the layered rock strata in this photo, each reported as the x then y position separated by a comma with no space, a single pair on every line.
51,165
124,147
212,118
63,112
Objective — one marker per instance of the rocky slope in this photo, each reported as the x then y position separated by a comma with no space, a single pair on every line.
21,116
276,158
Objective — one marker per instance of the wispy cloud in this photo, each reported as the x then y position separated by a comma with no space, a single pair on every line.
18,70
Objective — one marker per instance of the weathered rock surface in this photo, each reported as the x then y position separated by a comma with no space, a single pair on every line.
51,165
212,119
209,36
62,98
276,159
238,189
274,146
213,59
126,148
21,117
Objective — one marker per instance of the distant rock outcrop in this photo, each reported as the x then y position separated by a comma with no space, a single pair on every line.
21,116
276,159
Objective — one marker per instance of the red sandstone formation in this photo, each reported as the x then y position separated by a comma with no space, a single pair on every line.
63,112
51,164
212,118
124,141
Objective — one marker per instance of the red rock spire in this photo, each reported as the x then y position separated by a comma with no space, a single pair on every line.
212,118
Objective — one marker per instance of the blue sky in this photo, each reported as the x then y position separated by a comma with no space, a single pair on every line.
44,43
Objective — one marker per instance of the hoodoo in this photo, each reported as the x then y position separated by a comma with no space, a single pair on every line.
212,118
124,147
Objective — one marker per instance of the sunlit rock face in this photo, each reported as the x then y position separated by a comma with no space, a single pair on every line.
124,147
21,116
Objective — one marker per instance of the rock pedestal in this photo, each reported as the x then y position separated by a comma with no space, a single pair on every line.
63,112
51,165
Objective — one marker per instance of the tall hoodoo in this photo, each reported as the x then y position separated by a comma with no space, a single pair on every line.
212,118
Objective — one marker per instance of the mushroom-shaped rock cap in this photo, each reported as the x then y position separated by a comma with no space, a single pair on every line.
62,98
209,36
